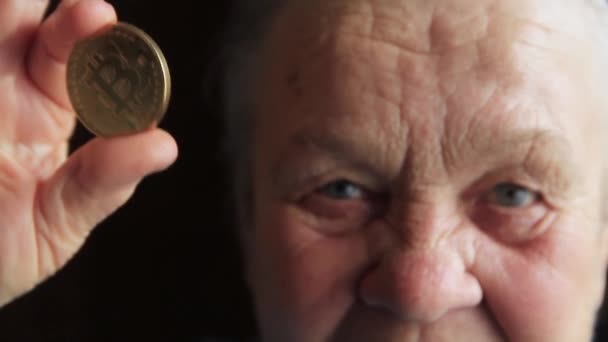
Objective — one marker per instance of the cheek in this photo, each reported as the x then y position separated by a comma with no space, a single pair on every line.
546,288
303,279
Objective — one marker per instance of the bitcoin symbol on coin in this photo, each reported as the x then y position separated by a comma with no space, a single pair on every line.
115,83
114,80
118,82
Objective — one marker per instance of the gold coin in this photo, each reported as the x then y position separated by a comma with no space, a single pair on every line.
118,81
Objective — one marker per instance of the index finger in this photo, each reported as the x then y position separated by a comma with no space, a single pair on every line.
72,21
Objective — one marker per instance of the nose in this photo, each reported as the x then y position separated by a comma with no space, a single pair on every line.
421,286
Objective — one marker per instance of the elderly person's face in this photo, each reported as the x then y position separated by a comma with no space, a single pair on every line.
428,171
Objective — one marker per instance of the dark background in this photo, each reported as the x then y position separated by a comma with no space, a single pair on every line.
165,267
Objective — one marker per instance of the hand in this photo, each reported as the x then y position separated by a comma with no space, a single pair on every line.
49,202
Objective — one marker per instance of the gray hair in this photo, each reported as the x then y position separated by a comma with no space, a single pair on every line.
250,22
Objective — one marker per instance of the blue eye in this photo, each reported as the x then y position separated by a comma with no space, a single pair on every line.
342,190
512,195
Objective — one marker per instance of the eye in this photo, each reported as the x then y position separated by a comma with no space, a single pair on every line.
341,206
511,195
342,190
512,213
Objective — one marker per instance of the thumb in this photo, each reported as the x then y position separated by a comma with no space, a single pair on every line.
96,180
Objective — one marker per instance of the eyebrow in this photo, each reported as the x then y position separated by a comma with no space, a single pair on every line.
351,153
544,155
360,152
527,143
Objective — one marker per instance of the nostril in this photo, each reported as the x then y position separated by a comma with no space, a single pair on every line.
420,287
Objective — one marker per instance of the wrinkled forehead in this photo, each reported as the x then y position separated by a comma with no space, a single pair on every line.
421,26
432,26
538,43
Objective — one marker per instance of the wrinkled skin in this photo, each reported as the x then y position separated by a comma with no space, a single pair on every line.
428,170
